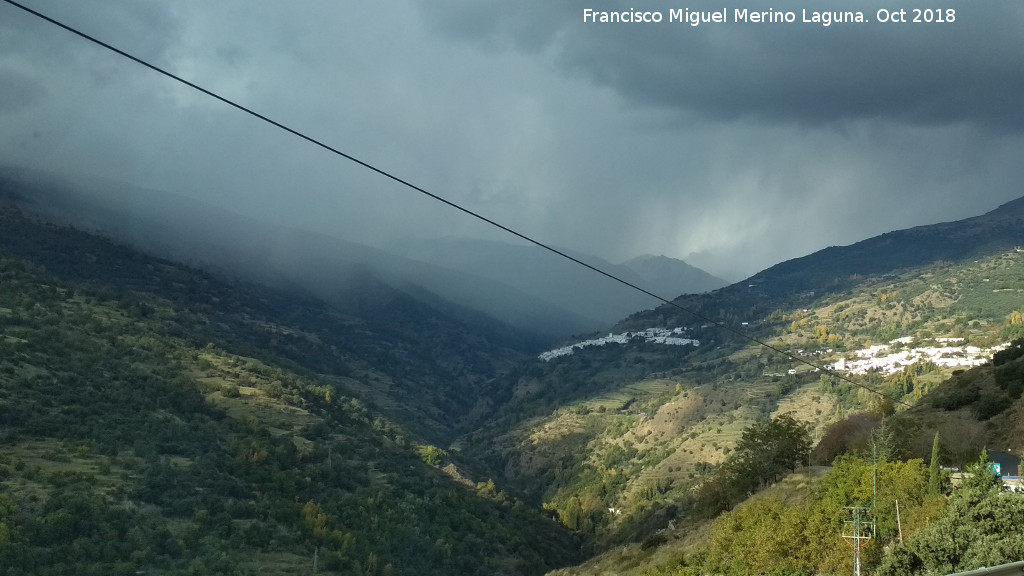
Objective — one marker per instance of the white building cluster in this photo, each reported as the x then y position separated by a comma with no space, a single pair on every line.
668,337
880,358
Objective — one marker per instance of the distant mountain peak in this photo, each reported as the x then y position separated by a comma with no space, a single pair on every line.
1013,207
649,257
670,277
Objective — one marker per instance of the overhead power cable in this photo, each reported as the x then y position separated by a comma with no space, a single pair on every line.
445,201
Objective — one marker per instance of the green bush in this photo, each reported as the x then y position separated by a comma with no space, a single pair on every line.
957,398
990,405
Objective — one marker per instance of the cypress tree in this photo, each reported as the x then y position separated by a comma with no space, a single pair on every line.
934,478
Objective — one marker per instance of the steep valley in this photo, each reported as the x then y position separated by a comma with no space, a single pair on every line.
617,439
156,418
209,424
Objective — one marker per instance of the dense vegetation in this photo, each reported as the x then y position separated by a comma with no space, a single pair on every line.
979,526
635,443
795,527
932,534
158,417
142,434
429,367
766,452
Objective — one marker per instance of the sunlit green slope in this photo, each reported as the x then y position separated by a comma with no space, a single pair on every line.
155,419
616,439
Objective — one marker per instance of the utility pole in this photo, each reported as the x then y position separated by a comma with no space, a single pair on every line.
874,486
857,533
898,523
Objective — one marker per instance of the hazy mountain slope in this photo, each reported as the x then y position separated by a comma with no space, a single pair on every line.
134,441
997,230
421,364
537,272
840,269
186,230
635,426
669,277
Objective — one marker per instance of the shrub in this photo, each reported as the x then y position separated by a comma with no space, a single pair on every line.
990,405
957,398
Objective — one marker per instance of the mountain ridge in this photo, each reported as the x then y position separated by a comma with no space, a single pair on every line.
667,276
463,353
154,419
636,426
190,231
799,281
613,441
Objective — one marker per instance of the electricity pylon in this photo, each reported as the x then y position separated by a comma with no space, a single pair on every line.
861,529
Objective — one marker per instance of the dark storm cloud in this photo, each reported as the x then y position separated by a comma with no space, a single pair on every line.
969,70
531,25
742,144
19,90
150,28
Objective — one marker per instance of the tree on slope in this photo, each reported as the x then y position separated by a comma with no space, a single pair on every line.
769,449
979,527
765,452
934,473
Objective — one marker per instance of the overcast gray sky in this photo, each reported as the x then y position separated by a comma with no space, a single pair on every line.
731,145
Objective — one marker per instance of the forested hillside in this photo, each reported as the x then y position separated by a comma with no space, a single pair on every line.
156,419
923,516
798,527
204,425
626,440
426,365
